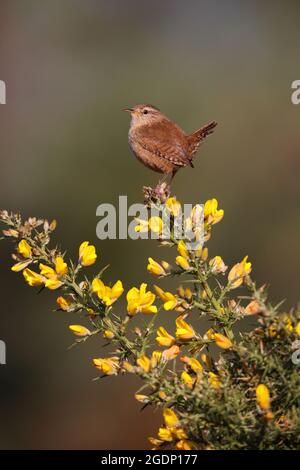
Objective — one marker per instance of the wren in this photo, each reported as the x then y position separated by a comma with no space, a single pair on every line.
159,143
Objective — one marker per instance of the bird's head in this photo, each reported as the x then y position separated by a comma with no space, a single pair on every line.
144,114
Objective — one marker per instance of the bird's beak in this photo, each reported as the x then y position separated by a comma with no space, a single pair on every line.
128,110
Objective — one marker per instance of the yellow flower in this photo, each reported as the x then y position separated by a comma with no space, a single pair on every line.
107,294
165,434
212,214
140,300
61,267
170,418
155,268
155,358
207,360
184,331
297,329
164,338
24,249
155,224
183,444
108,334
64,304
187,379
182,262
222,341
52,276
169,299
87,254
288,324
128,367
269,416
162,395
182,249
79,330
144,362
141,398
174,206
214,380
263,397
193,363
178,433
48,272
171,353
142,226
53,284
109,366
217,265
32,278
21,265
238,272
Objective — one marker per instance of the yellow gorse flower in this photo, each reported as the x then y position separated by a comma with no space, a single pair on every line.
154,224
64,304
263,397
108,334
20,265
184,331
109,366
24,249
193,363
222,341
165,434
155,268
164,338
170,418
140,300
238,272
182,262
108,295
214,380
144,363
217,265
32,278
297,329
212,214
187,379
182,249
52,276
61,267
79,330
174,206
171,353
155,358
87,254
169,299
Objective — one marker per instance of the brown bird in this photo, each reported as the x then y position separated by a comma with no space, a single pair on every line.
159,143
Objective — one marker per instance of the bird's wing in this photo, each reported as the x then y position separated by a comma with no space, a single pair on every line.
165,142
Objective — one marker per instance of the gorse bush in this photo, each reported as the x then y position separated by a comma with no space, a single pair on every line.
222,389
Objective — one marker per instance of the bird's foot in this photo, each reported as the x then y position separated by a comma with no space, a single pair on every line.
160,193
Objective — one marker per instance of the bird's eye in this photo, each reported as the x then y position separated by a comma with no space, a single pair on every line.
145,111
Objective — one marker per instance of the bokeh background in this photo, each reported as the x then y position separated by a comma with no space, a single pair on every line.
70,67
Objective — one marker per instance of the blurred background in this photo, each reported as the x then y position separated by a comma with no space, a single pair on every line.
70,67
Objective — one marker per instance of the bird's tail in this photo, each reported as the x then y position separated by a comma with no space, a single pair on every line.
195,139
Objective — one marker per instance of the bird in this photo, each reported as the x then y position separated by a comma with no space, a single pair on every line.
159,143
